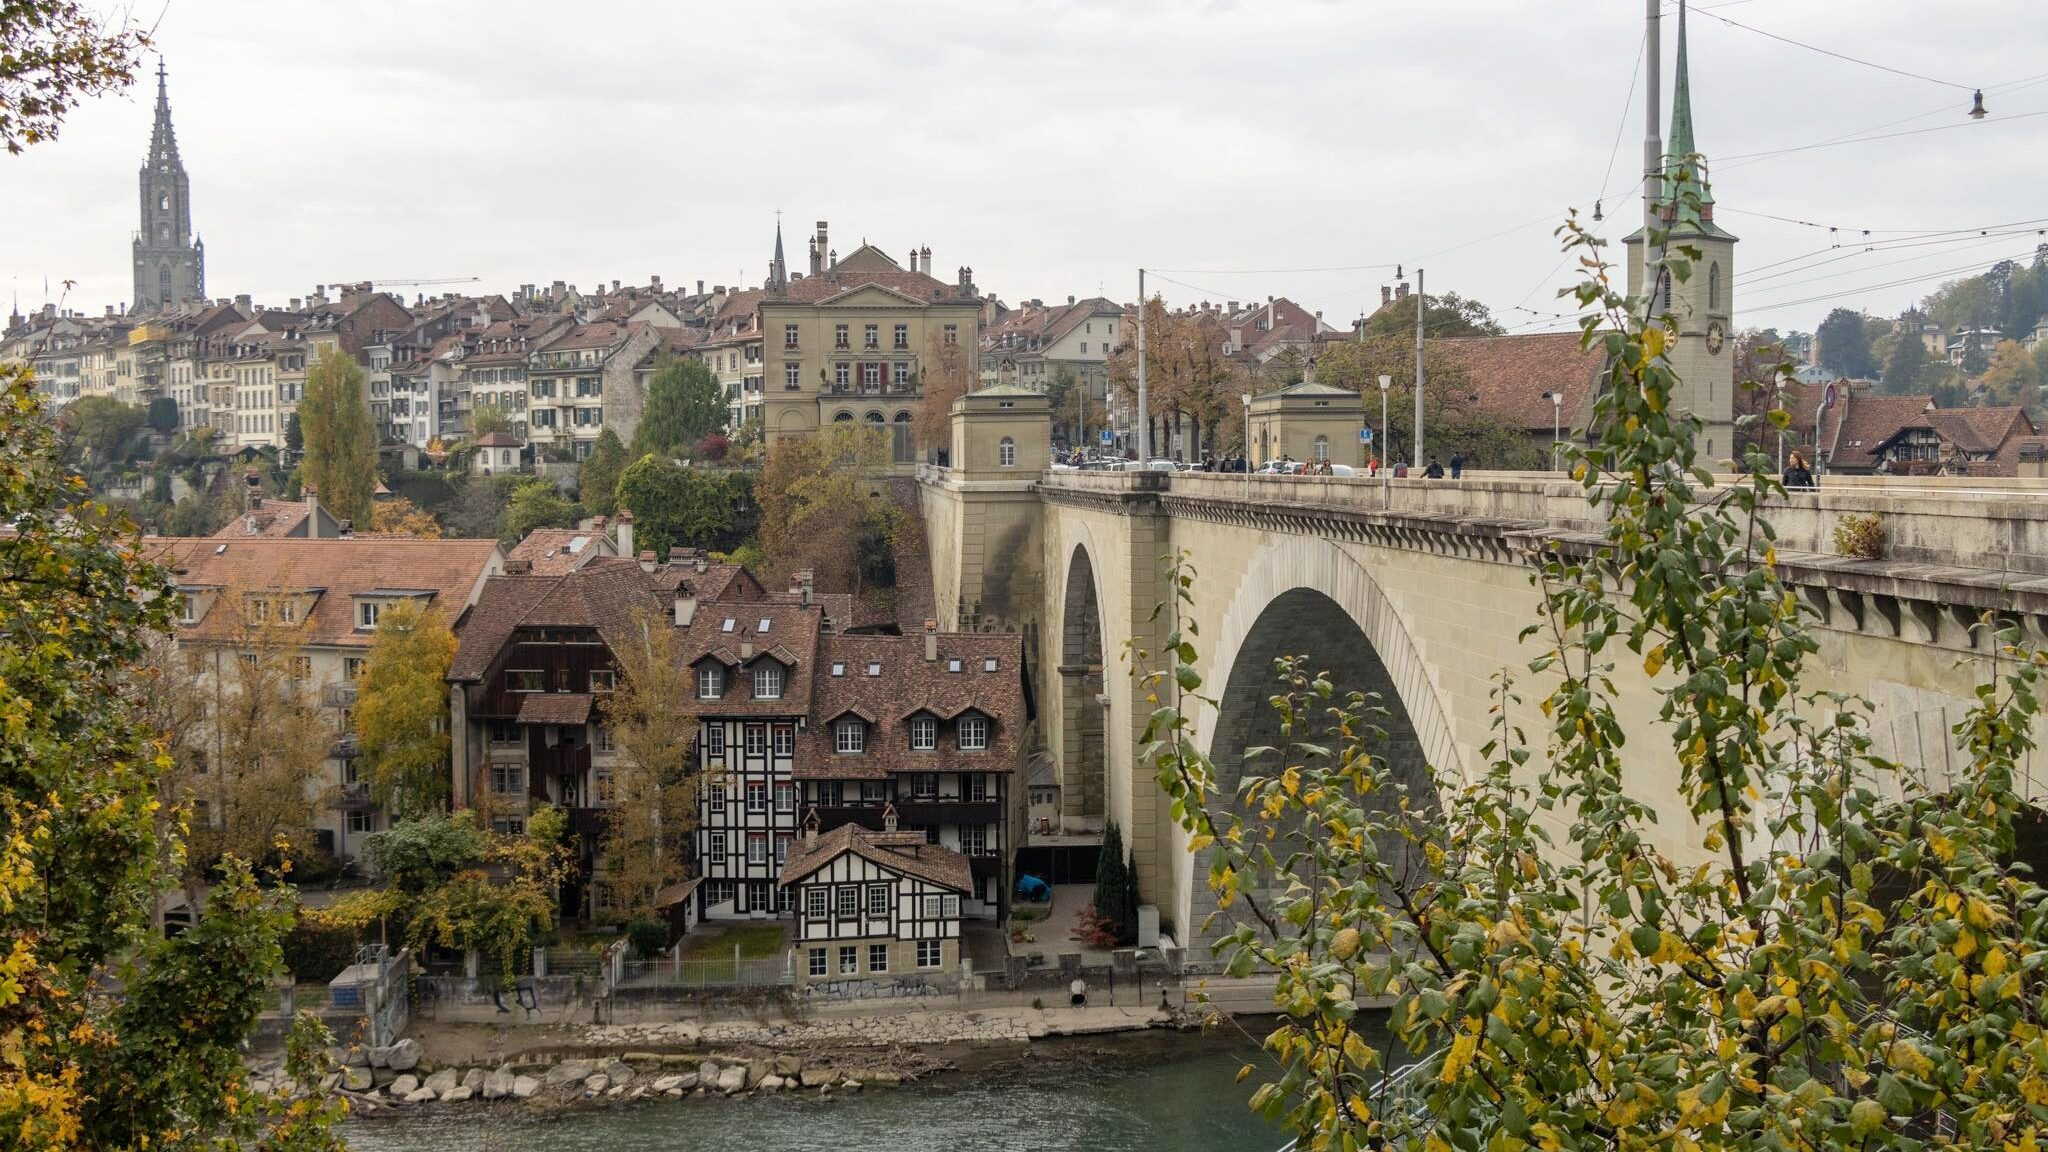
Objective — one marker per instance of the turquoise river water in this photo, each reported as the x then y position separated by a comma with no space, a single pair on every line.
1128,1094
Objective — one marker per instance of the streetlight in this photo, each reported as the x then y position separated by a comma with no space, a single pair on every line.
1556,424
1386,445
1246,399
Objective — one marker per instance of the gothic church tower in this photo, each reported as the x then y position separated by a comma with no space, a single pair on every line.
1702,307
170,263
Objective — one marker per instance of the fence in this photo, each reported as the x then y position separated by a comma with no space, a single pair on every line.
724,972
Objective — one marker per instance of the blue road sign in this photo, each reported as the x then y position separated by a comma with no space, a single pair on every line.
1108,438
1365,435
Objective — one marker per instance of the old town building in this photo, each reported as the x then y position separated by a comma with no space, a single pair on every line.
874,904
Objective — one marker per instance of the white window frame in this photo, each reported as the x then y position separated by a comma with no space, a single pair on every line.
784,738
972,734
767,680
879,901
849,738
846,901
924,734
756,737
710,682
757,798
1006,453
784,794
757,847
814,902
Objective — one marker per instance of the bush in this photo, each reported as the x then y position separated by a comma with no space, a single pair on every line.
648,937
316,951
1861,537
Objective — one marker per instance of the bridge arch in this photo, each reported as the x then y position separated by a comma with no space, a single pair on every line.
1306,596
1083,753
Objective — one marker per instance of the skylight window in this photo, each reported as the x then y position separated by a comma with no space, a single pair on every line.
952,665
874,667
838,668
729,624
762,626
988,665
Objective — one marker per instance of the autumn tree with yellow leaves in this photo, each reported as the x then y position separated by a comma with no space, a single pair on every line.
1853,960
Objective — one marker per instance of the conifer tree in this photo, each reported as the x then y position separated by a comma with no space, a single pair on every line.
341,440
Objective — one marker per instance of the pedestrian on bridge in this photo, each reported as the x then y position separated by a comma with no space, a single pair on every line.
1798,476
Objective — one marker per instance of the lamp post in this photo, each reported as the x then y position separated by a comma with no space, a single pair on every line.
1556,424
1246,399
1386,445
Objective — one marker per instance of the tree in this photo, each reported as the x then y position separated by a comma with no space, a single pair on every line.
947,373
162,414
1452,417
402,709
1845,345
818,497
341,440
598,480
647,842
1187,376
1447,315
477,511
677,504
488,420
399,515
536,503
503,917
294,435
1116,888
1848,970
80,858
53,53
104,426
418,855
1903,368
2011,377
684,405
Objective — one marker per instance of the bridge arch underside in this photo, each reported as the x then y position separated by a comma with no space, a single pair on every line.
1082,767
1304,622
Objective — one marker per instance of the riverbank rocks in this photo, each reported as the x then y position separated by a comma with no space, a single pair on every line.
788,1064
404,1086
442,1082
524,1087
357,1079
422,1096
498,1085
817,1077
570,1072
597,1083
732,1079
457,1094
616,1070
399,1057
474,1079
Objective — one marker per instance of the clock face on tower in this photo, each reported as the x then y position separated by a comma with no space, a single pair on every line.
1716,335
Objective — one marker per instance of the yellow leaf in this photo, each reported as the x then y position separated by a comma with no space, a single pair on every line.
1653,662
1653,341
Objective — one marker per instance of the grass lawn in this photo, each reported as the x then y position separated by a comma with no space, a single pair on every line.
707,950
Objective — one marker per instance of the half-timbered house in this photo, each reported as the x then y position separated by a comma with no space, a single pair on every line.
875,904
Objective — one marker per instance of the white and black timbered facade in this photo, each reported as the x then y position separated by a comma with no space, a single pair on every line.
749,664
875,905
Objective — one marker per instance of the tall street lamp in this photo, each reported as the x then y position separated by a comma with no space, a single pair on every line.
1556,424
1246,399
1386,445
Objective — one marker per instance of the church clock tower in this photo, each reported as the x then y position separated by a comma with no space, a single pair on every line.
1702,307
170,263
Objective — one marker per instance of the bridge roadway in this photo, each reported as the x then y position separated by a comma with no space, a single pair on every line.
1419,590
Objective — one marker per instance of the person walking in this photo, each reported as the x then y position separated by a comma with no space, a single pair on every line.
1400,469
1435,471
1798,475
1457,465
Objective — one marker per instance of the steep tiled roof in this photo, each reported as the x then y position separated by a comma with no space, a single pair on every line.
905,853
554,708
1861,420
605,595
791,637
604,334
330,572
906,685
554,551
1511,374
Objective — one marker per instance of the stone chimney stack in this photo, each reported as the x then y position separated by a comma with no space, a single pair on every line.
924,259
1401,291
931,641
686,610
622,533
818,249
312,512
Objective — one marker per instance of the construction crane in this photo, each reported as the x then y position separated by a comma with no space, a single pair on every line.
420,282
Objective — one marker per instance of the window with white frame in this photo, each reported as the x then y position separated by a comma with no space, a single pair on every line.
717,841
901,373
924,786
814,903
848,896
789,336
849,736
878,958
367,613
871,374
878,900
924,733
508,779
714,740
903,336
757,847
930,953
716,793
710,682
785,796
362,822
973,733
973,840
785,740
871,336
1006,453
931,907
839,335
841,373
792,376
952,335
950,907
768,680
757,739
757,796
1322,448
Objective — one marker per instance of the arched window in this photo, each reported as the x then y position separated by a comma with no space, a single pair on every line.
1006,453
843,418
163,232
1714,288
874,417
163,202
163,282
1664,291
1322,448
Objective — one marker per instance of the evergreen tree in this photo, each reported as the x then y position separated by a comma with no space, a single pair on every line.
599,477
684,405
341,441
1902,369
1116,891
1845,344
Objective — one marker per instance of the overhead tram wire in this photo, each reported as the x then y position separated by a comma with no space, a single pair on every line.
1962,243
1733,23
1964,270
1747,158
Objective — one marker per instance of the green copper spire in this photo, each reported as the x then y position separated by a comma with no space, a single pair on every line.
1682,144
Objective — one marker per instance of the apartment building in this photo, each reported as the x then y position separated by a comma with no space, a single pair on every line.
585,378
321,597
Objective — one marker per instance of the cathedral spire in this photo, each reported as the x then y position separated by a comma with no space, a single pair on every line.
1682,142
163,142
778,271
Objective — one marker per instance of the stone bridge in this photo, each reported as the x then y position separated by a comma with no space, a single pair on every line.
1419,590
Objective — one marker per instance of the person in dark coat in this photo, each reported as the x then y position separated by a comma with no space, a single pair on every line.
1457,465
1798,475
1435,471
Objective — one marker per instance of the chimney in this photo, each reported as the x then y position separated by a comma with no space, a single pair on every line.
646,559
924,259
811,830
700,287
913,260
686,610
747,648
931,641
1401,291
1386,295
622,533
818,250
654,282
703,563
312,512
966,280
615,284
518,567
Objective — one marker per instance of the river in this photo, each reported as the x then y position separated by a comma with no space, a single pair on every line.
1120,1094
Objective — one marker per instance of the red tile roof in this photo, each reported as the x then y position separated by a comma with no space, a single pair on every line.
904,853
554,708
606,595
554,551
1512,374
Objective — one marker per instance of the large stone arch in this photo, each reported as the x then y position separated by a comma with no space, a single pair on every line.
1310,597
1083,764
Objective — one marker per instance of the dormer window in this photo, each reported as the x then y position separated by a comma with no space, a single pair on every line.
849,737
768,681
188,609
973,733
367,613
710,682
924,734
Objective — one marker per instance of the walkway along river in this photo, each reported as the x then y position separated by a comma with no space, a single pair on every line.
1163,1091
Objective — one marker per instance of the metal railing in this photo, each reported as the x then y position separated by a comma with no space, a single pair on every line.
723,972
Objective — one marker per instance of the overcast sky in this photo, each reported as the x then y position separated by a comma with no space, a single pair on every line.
1054,147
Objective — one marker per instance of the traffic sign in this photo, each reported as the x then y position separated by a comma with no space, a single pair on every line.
1365,435
1108,438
